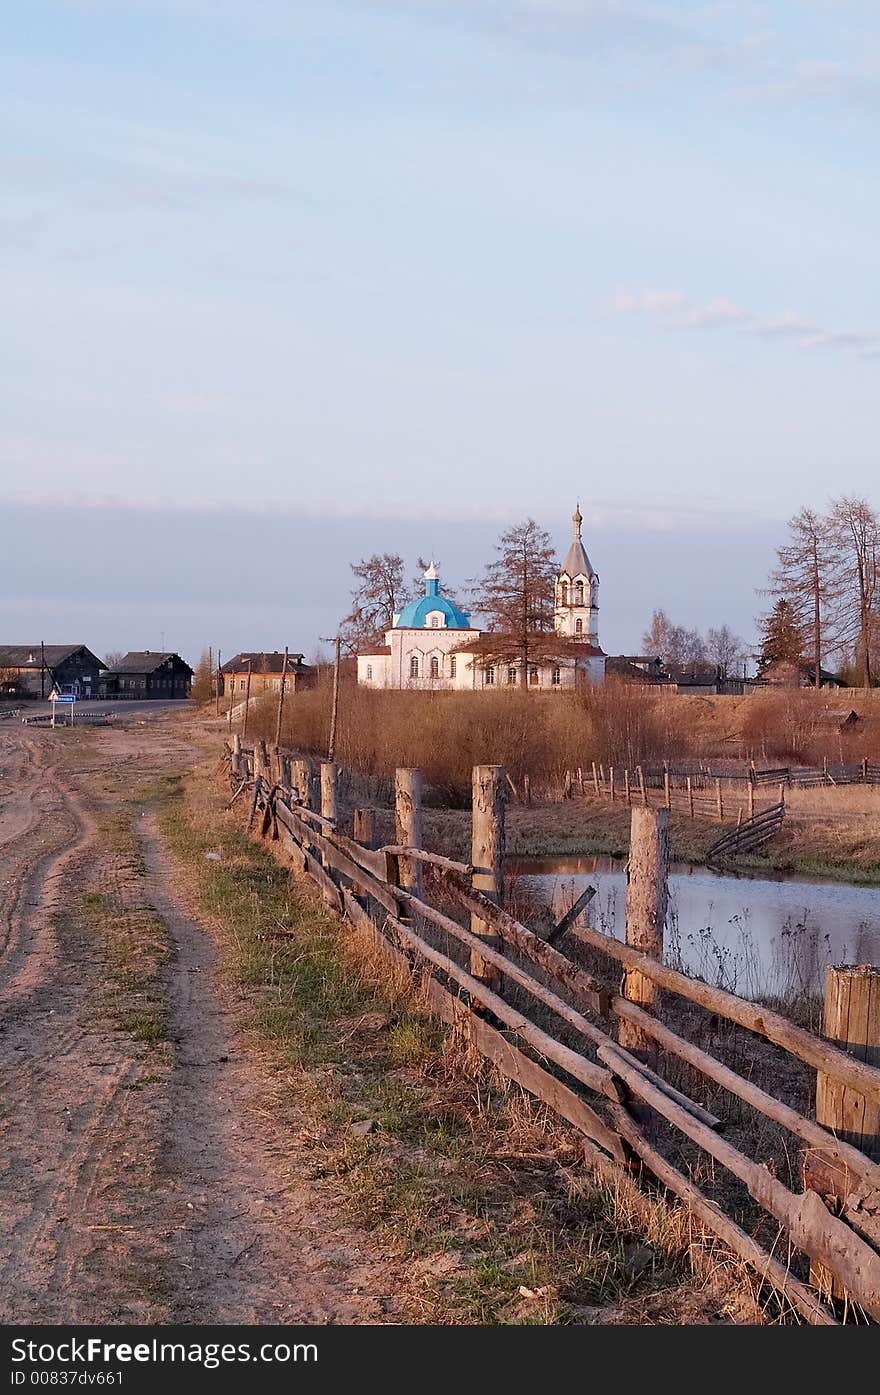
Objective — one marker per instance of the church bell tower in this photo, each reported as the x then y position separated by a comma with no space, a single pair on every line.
576,592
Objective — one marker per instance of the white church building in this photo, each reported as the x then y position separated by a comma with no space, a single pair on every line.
433,645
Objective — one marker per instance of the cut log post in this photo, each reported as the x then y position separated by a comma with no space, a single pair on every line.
611,775
646,898
284,769
851,1021
487,857
720,800
690,791
642,786
329,780
302,780
569,786
236,754
667,789
408,825
596,779
365,827
626,789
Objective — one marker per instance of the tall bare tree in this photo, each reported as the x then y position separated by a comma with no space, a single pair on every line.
380,593
855,532
724,649
515,592
674,644
808,575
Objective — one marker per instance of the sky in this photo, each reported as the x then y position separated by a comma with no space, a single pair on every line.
334,277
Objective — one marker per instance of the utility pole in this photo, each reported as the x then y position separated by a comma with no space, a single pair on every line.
217,691
247,695
331,753
42,671
281,701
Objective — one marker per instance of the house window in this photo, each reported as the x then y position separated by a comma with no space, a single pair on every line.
556,676
490,676
533,675
452,666
511,673
578,627
369,671
414,666
435,666
579,593
241,685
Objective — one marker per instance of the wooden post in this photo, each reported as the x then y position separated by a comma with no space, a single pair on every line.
236,755
568,787
751,800
331,753
626,789
667,789
284,769
219,680
690,790
851,1021
782,794
611,774
487,856
328,790
365,827
646,898
408,825
865,770
247,697
720,799
596,779
527,789
281,698
642,786
602,777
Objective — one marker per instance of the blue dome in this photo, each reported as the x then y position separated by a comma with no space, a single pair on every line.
414,616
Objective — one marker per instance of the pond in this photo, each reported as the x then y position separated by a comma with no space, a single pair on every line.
754,935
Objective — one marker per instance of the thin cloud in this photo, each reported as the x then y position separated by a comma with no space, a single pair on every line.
676,311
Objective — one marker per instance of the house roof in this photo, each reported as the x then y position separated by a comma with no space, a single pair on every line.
414,616
623,667
28,655
146,661
576,562
264,662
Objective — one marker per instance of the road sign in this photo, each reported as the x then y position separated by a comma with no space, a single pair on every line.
62,697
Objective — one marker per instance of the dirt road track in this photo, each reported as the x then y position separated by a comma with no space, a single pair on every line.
140,1183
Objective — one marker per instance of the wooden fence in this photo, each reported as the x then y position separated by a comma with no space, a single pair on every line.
475,965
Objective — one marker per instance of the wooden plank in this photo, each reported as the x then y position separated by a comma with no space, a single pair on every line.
571,915
802,1298
519,1068
447,864
813,1229
803,1044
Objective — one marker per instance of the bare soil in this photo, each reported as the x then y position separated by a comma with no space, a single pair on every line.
143,1180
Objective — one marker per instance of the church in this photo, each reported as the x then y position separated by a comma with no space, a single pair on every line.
433,645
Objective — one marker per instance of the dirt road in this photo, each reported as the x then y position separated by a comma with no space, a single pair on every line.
140,1181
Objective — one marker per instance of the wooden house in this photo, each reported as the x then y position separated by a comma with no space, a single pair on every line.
34,670
144,675
265,670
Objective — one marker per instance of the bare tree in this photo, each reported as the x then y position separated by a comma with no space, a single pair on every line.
380,594
515,592
674,644
112,657
724,649
855,533
808,575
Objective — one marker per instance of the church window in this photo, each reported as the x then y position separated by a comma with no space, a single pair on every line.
414,666
435,666
579,593
511,673
435,621
490,676
533,675
452,666
578,627
369,671
556,676
564,590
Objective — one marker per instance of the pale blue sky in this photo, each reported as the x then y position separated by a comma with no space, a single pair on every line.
418,262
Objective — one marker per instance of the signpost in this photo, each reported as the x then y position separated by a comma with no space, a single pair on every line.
56,697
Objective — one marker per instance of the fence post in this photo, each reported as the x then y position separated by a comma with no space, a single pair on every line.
851,1021
596,779
646,898
329,774
527,789
365,827
487,857
644,791
626,789
408,825
720,798
282,685
690,790
865,770
569,785
236,754
611,774
751,800
667,789
782,795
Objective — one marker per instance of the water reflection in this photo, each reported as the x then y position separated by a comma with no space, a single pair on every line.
752,935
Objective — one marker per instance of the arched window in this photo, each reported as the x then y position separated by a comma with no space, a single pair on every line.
369,672
579,593
564,592
414,666
578,627
556,676
435,666
511,674
533,675
435,621
490,676
452,666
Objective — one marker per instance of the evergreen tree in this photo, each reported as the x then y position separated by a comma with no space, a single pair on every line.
782,636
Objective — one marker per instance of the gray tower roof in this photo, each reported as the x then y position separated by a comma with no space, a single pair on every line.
576,562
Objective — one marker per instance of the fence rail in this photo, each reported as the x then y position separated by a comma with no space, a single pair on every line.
476,970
